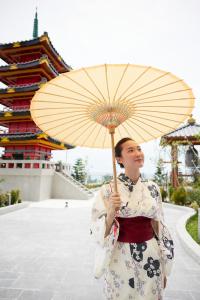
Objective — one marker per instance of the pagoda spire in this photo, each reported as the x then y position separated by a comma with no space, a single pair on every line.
35,25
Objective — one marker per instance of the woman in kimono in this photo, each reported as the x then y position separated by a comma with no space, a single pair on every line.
134,249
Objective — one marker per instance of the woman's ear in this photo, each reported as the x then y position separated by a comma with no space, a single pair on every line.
118,159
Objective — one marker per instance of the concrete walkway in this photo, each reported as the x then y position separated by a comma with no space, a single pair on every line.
46,253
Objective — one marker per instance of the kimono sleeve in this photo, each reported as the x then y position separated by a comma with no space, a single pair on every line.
98,220
165,240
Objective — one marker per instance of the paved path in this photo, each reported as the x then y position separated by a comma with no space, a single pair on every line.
46,253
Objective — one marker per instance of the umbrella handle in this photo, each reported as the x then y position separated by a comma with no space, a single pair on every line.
113,160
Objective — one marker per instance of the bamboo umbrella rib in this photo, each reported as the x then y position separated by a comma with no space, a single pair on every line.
106,74
153,121
93,127
124,72
50,108
163,112
73,125
67,122
83,87
146,70
148,125
158,106
60,119
141,128
121,136
149,91
61,96
160,101
91,79
119,131
68,106
104,140
160,95
58,114
162,118
133,128
80,133
66,89
146,84
100,128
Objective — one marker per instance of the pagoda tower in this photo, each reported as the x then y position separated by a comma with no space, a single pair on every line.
29,65
25,163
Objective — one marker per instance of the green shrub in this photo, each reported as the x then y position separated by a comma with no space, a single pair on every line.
171,190
194,205
15,196
3,200
193,195
93,185
179,196
192,227
163,193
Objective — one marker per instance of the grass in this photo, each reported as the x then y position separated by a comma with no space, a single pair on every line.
192,227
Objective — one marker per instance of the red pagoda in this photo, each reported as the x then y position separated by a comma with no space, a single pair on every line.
29,65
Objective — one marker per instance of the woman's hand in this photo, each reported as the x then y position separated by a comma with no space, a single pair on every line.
114,204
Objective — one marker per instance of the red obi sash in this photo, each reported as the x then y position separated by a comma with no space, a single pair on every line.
135,230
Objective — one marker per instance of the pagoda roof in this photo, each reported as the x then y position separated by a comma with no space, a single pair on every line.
39,67
40,136
189,131
23,88
7,117
10,94
13,52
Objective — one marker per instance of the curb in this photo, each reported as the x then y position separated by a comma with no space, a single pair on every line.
11,208
190,246
174,206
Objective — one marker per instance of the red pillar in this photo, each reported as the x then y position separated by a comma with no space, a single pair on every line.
174,160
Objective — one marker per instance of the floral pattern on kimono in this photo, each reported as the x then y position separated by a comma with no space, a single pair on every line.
133,270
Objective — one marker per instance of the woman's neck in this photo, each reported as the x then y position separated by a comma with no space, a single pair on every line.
133,174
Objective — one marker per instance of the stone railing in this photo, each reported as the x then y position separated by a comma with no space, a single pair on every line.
34,164
77,183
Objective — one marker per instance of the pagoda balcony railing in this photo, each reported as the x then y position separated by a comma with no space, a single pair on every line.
3,132
22,131
34,164
25,151
16,108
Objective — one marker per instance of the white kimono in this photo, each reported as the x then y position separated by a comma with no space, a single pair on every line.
133,270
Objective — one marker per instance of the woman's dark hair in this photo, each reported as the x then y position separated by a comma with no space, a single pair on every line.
118,148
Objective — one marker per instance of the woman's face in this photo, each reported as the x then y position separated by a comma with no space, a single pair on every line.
131,155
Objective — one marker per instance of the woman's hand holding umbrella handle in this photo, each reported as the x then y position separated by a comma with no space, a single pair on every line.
113,206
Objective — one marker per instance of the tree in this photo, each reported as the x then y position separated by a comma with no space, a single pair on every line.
159,175
107,178
79,171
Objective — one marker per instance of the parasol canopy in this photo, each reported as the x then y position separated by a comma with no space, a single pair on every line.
82,107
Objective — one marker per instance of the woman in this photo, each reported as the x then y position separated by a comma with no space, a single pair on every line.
134,246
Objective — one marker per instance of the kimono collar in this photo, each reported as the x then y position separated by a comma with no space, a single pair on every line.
127,181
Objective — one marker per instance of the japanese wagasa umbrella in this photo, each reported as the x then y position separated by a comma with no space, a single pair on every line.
85,107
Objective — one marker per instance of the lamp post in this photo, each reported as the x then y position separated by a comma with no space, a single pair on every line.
9,198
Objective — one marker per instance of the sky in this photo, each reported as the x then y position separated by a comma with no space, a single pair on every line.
158,33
